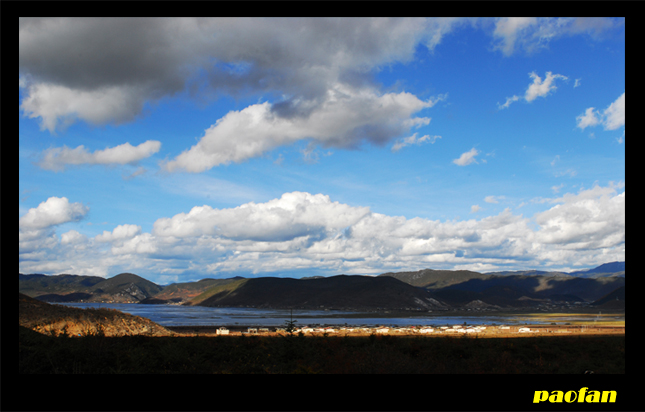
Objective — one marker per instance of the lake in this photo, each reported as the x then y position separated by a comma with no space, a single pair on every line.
172,315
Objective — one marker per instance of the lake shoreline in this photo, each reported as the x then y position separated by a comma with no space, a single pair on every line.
170,316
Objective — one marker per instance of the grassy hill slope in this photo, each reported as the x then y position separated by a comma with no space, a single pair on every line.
182,292
36,285
125,287
57,319
335,292
435,279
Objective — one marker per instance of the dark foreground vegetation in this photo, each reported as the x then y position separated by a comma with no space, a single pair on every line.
323,354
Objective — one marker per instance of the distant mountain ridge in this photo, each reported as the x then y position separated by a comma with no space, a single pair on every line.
122,288
505,289
607,269
426,289
334,292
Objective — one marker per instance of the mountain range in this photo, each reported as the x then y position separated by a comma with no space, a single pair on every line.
414,291
122,288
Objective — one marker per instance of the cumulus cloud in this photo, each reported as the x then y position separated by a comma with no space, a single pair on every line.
321,68
53,211
592,219
539,88
72,237
611,118
119,233
55,103
37,237
305,232
467,158
141,244
65,79
145,59
346,118
293,215
589,118
57,158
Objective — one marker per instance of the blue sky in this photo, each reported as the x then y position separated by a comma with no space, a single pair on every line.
179,149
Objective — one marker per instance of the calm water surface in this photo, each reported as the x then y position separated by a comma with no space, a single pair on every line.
171,315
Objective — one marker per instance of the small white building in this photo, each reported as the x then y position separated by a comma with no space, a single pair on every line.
326,330
524,330
382,330
222,331
426,330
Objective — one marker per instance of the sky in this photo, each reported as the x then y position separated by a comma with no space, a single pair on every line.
187,148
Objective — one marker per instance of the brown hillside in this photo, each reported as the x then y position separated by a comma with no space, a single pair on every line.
56,319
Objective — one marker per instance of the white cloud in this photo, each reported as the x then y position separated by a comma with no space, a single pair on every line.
592,219
33,243
467,158
54,103
304,232
142,244
72,237
615,114
53,211
413,140
509,100
293,215
510,29
475,209
345,119
531,34
143,60
589,118
493,199
64,79
58,157
119,233
539,88
612,117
